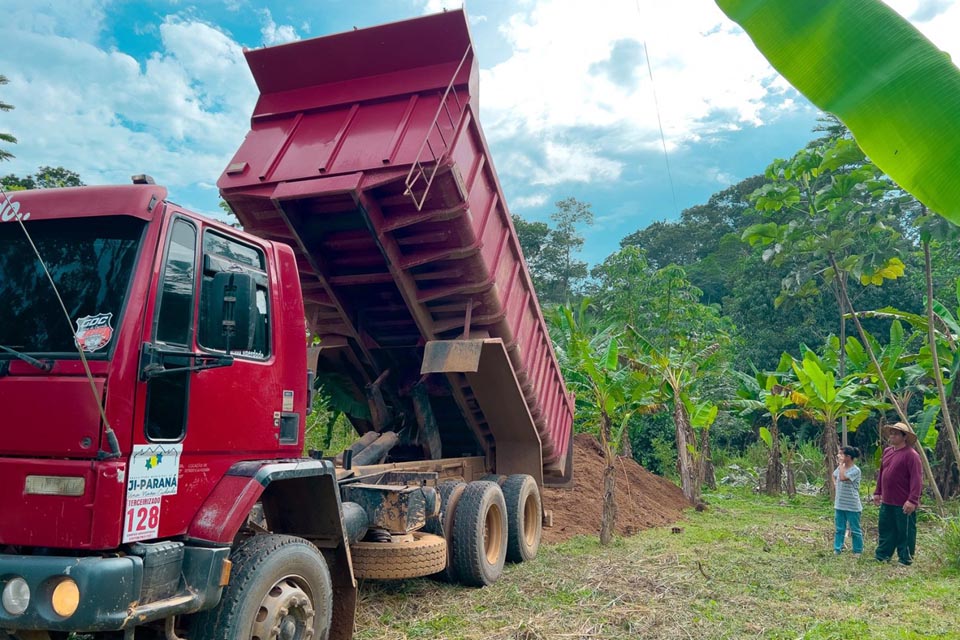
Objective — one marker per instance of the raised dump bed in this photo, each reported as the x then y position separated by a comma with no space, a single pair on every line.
365,154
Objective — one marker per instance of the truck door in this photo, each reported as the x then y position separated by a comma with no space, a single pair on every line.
202,420
234,407
163,390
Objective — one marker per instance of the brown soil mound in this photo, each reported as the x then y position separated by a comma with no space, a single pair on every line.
644,500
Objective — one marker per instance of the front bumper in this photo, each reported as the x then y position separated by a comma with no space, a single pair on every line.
110,590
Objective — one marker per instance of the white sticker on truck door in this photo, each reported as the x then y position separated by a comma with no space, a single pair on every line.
154,470
141,520
154,473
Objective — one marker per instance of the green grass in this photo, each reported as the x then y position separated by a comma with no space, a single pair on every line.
748,567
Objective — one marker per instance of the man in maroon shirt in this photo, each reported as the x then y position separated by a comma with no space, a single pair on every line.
899,482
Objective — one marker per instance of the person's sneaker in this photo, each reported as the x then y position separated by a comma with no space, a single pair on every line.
857,555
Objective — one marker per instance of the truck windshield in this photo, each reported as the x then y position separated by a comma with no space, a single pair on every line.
90,260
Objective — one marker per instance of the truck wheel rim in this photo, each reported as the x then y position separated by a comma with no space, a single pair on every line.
531,515
285,613
493,534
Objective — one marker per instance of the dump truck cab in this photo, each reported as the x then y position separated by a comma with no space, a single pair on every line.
111,439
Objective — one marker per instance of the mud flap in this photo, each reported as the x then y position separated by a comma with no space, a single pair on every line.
487,367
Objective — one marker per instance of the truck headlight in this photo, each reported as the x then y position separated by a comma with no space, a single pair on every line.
66,598
16,596
55,485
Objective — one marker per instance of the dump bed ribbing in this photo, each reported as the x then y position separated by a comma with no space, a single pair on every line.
365,154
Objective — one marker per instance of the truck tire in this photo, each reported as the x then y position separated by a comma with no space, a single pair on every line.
450,492
426,554
479,535
279,585
524,517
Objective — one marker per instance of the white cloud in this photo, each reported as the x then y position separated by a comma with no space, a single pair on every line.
436,6
718,175
529,202
273,33
75,19
577,65
700,64
938,20
565,163
573,90
101,113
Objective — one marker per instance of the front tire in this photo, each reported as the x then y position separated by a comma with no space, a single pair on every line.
280,589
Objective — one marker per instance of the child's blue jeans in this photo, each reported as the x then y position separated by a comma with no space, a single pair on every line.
844,519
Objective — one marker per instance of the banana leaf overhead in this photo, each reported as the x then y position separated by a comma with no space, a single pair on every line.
895,90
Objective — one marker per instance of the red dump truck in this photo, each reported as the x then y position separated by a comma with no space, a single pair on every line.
156,369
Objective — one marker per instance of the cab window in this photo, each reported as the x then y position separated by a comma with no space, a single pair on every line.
167,395
223,254
176,299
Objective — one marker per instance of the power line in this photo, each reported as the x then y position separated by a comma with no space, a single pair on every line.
656,105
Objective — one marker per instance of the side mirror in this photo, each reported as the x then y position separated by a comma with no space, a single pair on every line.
228,314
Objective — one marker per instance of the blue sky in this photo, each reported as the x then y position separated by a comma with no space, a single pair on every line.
110,88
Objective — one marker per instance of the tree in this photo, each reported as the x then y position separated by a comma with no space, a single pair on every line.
533,237
700,229
833,221
662,303
898,93
607,391
5,137
940,362
45,178
827,399
674,340
931,227
676,372
766,394
563,274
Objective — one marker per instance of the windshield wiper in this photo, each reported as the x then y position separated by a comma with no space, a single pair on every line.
39,364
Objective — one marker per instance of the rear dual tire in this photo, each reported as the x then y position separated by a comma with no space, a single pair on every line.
524,517
479,537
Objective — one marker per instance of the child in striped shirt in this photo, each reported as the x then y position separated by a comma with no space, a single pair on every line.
847,505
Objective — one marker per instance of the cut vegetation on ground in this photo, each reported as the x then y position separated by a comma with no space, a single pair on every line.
748,567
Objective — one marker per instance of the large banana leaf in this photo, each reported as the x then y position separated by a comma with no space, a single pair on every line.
858,59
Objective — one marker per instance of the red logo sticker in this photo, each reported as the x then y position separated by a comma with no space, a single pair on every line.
94,332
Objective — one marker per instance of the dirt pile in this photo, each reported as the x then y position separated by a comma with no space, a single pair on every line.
644,500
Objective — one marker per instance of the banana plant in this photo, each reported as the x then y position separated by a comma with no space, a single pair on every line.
675,372
895,90
608,392
826,399
940,360
703,414
765,394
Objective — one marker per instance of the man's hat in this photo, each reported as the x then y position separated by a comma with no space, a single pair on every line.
908,433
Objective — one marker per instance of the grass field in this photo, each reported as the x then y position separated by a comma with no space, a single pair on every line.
748,567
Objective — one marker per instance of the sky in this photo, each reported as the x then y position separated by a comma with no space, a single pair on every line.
573,95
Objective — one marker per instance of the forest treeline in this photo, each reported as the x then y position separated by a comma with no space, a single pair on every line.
789,307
